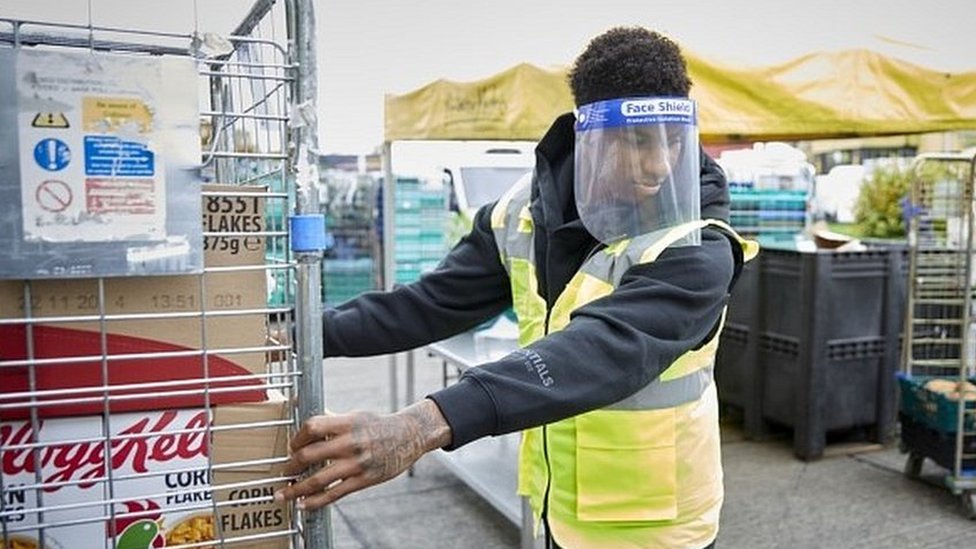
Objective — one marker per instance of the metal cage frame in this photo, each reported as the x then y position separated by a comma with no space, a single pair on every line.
259,104
938,363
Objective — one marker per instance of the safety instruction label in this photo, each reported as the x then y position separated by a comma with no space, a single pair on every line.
90,167
111,114
109,155
102,175
52,154
120,196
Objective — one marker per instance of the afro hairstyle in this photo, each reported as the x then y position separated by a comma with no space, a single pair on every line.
629,62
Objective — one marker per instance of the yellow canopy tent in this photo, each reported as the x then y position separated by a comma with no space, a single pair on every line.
853,93
839,94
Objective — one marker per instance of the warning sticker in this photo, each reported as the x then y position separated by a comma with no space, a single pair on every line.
108,155
52,154
120,196
113,114
53,196
98,125
50,120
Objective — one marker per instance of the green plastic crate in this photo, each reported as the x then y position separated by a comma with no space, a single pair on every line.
933,409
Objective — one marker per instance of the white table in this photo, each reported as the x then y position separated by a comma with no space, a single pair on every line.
488,465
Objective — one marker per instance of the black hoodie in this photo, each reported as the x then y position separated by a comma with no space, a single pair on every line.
612,346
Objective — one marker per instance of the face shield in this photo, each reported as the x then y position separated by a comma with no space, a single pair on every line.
637,167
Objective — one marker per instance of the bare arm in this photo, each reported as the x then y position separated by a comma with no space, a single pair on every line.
360,449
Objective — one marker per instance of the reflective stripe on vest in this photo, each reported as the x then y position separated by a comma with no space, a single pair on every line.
517,254
618,466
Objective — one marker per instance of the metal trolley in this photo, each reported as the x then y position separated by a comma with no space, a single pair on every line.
258,141
937,394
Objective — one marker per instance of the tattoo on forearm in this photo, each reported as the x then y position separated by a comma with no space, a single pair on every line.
387,445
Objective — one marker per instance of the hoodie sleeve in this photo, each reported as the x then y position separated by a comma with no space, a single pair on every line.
714,190
611,348
469,286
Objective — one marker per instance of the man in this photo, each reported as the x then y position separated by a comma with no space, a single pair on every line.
619,279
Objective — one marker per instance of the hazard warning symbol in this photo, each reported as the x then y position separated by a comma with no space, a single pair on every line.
53,196
50,120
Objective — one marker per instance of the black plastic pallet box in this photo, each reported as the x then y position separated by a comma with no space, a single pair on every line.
811,343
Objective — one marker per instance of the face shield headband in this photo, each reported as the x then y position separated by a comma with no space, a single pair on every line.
637,167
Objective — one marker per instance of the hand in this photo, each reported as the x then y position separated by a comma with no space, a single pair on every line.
360,449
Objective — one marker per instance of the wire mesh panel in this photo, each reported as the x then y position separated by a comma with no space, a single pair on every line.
937,391
140,412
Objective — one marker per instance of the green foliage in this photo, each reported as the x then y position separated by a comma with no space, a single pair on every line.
878,211
850,229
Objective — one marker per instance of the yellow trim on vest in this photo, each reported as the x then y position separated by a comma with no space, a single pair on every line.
532,472
750,248
617,248
673,235
498,215
500,211
695,360
530,308
581,289
525,220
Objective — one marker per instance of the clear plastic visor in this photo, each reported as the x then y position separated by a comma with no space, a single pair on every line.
636,176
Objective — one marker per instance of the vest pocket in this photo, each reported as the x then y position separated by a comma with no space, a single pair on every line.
626,465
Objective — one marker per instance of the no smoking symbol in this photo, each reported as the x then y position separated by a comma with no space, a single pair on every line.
53,196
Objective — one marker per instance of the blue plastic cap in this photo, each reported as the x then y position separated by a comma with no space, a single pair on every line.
307,232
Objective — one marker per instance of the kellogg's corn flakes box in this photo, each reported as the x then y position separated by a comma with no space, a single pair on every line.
163,485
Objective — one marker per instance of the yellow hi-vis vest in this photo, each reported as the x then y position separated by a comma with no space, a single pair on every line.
644,472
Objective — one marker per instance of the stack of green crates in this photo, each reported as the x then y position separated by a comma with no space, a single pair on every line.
420,227
769,215
276,209
350,265
345,279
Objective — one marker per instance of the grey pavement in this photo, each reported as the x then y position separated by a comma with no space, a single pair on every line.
852,499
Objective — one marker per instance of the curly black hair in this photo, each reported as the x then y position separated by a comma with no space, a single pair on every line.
629,62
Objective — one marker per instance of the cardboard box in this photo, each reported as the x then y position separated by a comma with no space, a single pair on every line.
162,484
164,317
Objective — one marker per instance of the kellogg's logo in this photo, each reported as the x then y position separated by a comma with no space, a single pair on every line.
132,448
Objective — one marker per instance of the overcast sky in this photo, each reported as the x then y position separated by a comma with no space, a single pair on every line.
368,48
